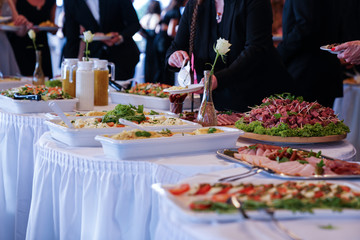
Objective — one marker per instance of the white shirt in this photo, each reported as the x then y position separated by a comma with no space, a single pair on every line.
94,8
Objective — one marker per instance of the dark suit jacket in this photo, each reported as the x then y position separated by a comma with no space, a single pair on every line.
307,25
115,16
253,69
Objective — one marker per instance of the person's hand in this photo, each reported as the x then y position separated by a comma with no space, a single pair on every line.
214,84
177,59
20,20
351,52
116,38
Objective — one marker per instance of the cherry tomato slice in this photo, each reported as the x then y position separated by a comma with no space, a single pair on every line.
180,189
203,189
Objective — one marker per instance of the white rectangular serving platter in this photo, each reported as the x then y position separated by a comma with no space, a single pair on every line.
177,144
180,204
80,137
150,101
33,106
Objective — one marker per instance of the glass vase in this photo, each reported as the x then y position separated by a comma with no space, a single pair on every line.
38,76
207,113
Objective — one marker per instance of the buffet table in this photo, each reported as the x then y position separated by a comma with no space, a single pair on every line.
80,193
326,225
18,135
348,108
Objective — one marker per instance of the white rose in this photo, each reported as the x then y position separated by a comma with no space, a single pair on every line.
32,34
88,36
222,46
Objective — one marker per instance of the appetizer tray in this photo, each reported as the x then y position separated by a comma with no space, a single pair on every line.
181,204
224,153
79,137
294,140
148,101
32,106
177,144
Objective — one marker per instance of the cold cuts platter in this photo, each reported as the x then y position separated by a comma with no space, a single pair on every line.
295,140
290,163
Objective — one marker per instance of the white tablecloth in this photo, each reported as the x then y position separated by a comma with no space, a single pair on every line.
348,108
79,193
173,225
18,135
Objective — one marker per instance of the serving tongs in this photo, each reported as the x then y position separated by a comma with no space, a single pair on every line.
121,85
36,97
115,85
233,200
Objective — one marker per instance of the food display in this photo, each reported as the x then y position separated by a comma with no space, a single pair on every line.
287,116
176,141
287,162
223,118
35,99
163,121
91,123
292,196
46,93
150,89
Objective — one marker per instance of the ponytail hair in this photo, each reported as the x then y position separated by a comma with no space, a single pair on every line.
193,27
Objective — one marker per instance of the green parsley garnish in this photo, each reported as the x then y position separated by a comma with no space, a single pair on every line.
211,130
319,170
142,134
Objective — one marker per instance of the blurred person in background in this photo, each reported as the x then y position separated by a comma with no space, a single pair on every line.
350,34
36,11
252,70
8,64
149,22
168,27
114,18
307,25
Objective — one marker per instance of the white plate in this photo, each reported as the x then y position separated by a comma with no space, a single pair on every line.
155,103
32,106
99,38
48,29
181,206
324,48
178,144
189,89
5,19
9,28
80,137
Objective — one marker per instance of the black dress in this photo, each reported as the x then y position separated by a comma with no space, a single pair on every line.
25,56
307,25
162,42
253,69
